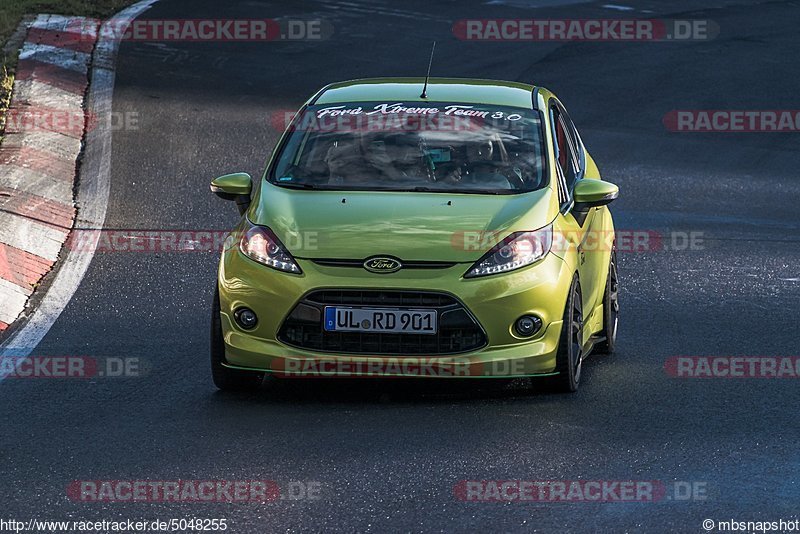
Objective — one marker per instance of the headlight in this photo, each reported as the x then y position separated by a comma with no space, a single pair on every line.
516,251
259,244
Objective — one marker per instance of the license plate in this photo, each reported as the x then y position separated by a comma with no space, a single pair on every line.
343,319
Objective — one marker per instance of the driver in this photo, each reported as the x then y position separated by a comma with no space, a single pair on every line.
397,157
480,157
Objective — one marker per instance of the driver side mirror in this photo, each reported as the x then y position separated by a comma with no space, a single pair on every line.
589,193
236,186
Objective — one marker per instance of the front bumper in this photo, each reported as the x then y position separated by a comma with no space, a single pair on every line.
495,302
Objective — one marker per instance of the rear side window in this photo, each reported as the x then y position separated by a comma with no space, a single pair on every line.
566,155
575,141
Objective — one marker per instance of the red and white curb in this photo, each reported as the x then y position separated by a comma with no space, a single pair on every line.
38,156
94,183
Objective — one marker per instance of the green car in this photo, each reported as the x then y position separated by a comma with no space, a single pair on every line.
457,230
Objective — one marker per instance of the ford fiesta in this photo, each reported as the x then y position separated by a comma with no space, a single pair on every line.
459,229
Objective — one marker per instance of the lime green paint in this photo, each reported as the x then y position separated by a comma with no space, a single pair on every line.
592,192
414,226
456,228
237,183
439,90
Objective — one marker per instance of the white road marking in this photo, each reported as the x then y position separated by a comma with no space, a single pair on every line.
29,181
60,57
25,233
13,299
59,145
56,22
36,93
92,197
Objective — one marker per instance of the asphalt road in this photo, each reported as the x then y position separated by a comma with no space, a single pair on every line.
387,456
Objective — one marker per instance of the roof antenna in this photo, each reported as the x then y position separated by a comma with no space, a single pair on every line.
430,62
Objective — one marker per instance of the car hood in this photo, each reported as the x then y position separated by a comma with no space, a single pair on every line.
412,226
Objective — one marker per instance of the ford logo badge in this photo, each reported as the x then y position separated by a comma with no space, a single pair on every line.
382,265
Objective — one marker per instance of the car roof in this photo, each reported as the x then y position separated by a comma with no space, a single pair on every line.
456,90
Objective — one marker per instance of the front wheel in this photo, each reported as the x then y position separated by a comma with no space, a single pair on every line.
610,309
569,357
225,378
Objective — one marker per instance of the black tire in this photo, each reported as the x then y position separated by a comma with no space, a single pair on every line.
610,309
225,378
569,358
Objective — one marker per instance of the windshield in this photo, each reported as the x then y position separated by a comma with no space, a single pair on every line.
461,148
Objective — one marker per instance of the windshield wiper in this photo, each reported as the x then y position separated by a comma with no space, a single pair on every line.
485,191
295,185
425,189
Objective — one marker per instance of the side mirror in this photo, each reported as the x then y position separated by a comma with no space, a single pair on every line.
236,186
593,194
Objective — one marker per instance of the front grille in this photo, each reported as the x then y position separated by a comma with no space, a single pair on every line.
458,331
406,264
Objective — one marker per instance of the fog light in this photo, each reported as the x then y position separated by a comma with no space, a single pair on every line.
527,325
246,318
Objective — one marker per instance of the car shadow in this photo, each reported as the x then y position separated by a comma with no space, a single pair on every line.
399,390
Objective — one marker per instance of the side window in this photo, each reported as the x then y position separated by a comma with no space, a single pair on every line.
577,146
565,155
